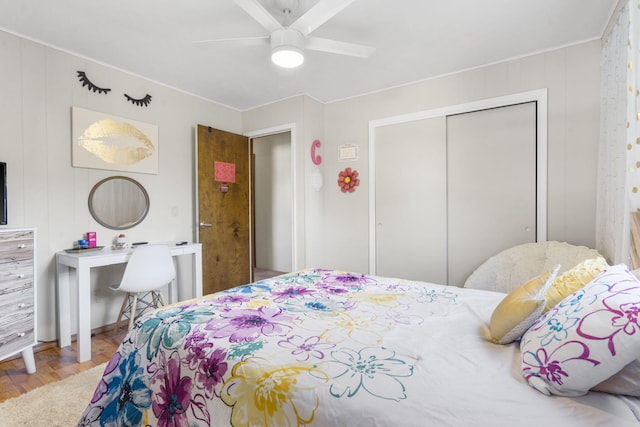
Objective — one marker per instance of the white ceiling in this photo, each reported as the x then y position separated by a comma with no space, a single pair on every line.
414,40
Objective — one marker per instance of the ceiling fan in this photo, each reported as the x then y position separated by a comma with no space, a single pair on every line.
289,40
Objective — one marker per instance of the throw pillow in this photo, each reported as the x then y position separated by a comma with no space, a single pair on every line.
520,309
574,279
587,338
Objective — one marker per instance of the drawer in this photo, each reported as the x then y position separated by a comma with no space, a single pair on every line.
16,305
16,335
16,270
15,236
11,289
15,246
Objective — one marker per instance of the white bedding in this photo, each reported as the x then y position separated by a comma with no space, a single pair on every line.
437,367
478,383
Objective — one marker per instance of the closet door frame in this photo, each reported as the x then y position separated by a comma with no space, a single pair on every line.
538,96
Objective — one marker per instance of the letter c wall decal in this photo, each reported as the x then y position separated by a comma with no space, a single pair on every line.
316,159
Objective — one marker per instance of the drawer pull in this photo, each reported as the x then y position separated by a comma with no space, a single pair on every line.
21,334
22,305
21,276
22,246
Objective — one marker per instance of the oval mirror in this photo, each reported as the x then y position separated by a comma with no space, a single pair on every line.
118,202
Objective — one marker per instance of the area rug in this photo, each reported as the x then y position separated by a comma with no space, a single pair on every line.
58,404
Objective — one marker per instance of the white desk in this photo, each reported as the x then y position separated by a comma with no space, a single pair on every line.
82,263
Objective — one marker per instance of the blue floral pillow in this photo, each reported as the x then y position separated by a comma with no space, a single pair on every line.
587,338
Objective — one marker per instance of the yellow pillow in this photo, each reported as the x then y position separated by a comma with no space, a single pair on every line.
574,279
520,309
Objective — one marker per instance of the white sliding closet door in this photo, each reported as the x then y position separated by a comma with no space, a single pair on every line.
491,185
411,200
452,191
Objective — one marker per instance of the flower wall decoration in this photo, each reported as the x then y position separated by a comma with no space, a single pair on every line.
348,180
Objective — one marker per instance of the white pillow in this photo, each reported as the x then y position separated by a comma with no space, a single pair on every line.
587,338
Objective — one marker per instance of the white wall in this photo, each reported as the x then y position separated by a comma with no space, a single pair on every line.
305,116
336,224
572,77
38,86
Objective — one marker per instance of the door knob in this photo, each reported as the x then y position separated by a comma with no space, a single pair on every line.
204,225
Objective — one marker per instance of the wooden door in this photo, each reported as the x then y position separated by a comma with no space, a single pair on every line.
223,217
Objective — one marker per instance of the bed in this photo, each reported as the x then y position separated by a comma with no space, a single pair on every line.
330,348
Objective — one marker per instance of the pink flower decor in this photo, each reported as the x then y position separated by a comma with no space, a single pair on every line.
348,180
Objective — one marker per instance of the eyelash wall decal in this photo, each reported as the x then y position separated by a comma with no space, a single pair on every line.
139,102
82,76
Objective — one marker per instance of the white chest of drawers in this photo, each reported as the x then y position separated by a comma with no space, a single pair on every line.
18,294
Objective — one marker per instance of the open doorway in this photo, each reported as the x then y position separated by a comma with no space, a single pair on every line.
272,205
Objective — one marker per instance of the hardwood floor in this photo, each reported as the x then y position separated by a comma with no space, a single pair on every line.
54,363
261,274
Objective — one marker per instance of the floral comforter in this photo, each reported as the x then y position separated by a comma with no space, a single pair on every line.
322,347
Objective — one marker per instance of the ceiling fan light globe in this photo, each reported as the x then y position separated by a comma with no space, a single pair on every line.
287,57
287,47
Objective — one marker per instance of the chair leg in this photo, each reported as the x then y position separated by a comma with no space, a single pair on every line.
124,304
158,298
133,310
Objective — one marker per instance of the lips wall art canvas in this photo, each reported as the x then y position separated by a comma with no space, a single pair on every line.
103,141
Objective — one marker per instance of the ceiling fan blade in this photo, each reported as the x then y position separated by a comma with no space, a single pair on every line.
260,14
341,48
319,14
245,40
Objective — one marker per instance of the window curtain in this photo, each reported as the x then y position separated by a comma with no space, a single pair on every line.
618,190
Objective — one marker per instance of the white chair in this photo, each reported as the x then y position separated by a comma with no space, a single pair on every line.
513,267
149,269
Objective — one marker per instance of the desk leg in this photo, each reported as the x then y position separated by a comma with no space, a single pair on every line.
171,289
197,272
84,314
64,312
174,285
